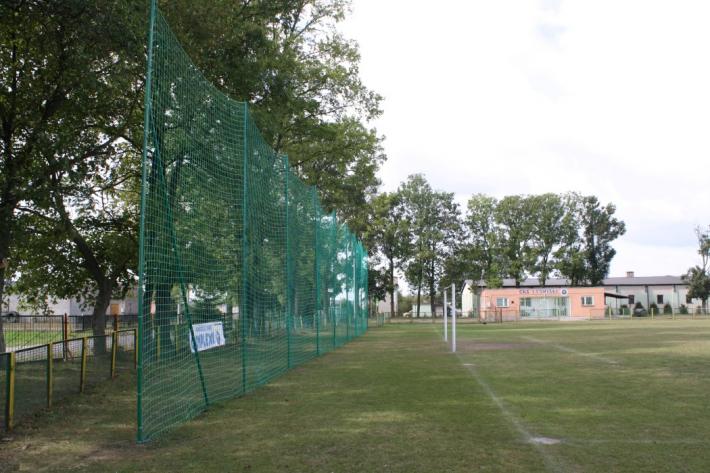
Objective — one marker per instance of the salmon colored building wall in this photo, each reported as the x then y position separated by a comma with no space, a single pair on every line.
573,296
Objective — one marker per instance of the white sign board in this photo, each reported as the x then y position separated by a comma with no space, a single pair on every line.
207,335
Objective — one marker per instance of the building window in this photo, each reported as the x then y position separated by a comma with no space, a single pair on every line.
659,298
502,302
632,300
688,299
587,300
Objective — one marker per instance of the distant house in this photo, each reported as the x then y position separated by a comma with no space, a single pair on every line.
559,298
384,307
125,306
425,311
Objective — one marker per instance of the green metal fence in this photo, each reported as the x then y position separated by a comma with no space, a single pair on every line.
32,379
243,274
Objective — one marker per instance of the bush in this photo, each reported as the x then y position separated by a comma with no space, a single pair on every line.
653,308
625,309
639,311
667,309
683,309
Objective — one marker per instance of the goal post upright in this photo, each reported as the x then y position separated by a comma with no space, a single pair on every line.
453,317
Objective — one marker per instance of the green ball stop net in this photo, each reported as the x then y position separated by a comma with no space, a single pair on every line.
242,274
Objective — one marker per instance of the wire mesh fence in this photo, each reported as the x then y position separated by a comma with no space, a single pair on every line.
32,379
244,274
26,331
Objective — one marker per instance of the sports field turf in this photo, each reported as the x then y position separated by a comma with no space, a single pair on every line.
612,396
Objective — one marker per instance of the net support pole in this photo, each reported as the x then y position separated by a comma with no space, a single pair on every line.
316,265
245,256
347,291
288,267
453,317
356,315
334,256
141,245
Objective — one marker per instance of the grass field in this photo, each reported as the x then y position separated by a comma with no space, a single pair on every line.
612,396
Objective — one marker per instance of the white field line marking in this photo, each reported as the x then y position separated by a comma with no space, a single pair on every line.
572,350
636,441
551,463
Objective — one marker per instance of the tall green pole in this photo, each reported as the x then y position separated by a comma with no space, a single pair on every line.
288,269
316,226
141,244
245,248
333,260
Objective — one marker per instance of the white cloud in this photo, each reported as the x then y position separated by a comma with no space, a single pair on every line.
524,96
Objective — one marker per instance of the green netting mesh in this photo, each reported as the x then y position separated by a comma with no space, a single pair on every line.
234,248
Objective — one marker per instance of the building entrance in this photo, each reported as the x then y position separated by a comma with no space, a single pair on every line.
542,307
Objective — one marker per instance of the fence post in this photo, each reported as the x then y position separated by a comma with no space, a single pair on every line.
135,348
114,349
10,399
65,336
50,372
82,376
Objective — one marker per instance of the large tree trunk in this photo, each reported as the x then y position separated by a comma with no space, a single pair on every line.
98,317
5,218
165,315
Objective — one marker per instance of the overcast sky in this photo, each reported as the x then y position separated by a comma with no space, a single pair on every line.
503,97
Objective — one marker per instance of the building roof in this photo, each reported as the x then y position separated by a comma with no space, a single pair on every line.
622,281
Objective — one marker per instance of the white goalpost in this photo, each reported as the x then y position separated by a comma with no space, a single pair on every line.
453,317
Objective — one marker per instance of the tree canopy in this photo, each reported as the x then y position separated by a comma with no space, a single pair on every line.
71,97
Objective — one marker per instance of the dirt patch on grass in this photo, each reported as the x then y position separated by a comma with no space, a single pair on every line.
489,346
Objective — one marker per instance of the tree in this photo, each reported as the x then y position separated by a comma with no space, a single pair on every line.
389,233
479,252
703,236
698,284
71,93
68,88
417,198
434,230
514,216
553,225
697,277
301,77
444,237
586,253
599,229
